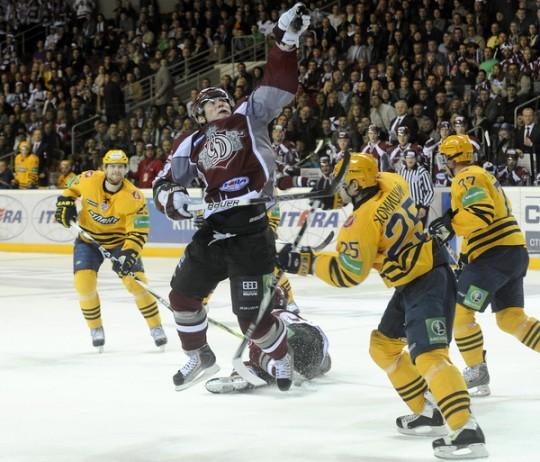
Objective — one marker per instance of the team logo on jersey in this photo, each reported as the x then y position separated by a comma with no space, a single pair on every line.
436,330
136,195
92,203
219,148
101,219
104,206
235,184
475,297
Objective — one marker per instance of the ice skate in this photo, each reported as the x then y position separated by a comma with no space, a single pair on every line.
466,443
160,339
282,370
477,379
231,384
98,338
201,364
293,307
429,422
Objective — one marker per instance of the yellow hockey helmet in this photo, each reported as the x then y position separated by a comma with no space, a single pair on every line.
457,148
115,156
363,168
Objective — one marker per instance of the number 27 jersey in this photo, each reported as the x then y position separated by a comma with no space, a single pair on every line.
384,233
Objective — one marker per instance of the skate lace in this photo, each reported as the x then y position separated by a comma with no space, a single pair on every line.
96,333
191,365
471,373
283,368
157,333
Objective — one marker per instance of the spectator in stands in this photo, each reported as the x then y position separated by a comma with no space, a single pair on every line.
148,168
7,179
26,167
65,174
113,98
403,119
528,137
381,114
510,174
164,84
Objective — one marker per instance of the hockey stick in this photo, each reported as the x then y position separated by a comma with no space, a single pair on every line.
317,149
107,254
229,203
237,361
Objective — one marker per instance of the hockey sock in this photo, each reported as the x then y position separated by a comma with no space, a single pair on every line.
388,353
525,328
447,386
468,336
191,320
86,285
145,302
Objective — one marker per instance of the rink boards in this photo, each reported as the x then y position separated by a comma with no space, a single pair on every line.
27,222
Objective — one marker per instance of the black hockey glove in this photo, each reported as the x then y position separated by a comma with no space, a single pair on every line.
66,211
441,228
125,262
296,262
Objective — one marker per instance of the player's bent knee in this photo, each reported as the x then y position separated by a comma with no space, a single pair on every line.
510,319
384,350
181,302
428,362
85,282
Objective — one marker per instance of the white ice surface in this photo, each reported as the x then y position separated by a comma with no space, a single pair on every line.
60,401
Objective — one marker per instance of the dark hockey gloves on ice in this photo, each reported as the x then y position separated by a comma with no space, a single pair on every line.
173,201
297,262
66,211
441,228
125,262
291,25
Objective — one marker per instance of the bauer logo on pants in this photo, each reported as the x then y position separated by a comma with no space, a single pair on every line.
436,330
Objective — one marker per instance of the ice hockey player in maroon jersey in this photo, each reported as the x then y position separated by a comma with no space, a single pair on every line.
307,343
232,154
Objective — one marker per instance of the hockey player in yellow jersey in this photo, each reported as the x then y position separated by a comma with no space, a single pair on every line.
384,233
494,256
114,213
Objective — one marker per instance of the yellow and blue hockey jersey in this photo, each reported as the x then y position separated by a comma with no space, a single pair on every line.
382,233
482,213
113,219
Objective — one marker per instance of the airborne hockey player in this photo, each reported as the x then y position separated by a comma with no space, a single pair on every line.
231,153
384,233
114,213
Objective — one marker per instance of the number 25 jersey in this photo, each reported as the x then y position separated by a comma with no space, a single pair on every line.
384,233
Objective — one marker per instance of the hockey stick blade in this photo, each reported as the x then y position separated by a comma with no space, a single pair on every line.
324,242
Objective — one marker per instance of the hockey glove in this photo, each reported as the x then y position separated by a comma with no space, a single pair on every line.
125,262
300,262
441,228
66,211
291,25
173,201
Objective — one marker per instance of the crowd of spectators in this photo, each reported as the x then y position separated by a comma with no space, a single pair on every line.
412,70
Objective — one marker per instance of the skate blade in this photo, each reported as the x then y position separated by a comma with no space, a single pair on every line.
99,349
227,385
424,431
161,348
473,451
208,372
480,391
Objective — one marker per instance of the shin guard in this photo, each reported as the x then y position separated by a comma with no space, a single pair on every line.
468,336
86,286
447,386
388,353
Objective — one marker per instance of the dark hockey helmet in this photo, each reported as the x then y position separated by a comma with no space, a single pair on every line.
307,345
206,95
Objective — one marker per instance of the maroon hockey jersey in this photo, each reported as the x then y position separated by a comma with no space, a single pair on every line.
233,156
